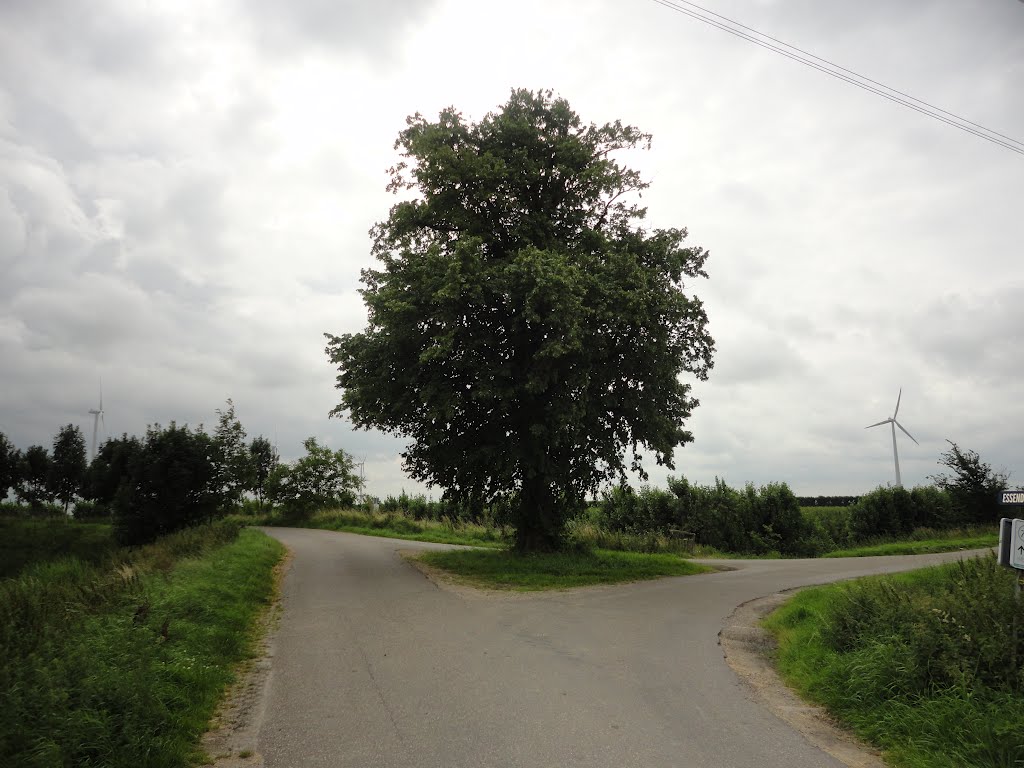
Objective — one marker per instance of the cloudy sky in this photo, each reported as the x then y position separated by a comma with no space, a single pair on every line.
186,189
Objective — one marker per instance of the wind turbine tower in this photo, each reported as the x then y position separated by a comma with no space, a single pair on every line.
891,421
97,419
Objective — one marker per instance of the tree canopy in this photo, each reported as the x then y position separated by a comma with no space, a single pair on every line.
319,480
525,331
68,465
972,484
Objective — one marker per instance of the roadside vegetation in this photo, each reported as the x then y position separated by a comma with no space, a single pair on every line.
394,525
120,660
502,569
25,542
922,665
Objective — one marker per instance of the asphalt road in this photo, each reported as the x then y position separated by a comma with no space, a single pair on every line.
375,665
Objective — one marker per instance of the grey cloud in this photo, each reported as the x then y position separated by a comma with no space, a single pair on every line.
372,29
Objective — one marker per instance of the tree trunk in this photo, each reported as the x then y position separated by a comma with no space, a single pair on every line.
538,523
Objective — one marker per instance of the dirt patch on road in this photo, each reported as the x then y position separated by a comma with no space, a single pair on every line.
231,740
748,649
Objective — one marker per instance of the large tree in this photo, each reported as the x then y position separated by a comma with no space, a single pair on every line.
525,331
68,465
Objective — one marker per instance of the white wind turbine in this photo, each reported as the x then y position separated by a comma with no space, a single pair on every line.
97,419
893,424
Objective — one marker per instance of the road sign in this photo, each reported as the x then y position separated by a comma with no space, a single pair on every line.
1017,545
1011,497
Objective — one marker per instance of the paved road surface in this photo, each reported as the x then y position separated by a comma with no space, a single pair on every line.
374,665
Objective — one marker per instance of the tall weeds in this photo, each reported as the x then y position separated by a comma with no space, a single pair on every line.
121,663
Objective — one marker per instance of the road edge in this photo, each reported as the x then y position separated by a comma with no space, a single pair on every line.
232,738
747,648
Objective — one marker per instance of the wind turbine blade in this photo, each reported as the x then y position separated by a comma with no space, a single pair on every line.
905,431
900,395
869,426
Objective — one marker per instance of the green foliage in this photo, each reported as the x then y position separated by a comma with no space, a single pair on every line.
68,465
924,541
321,479
123,665
232,464
396,525
524,331
920,664
10,465
497,514
109,468
34,486
172,484
972,485
500,569
262,460
24,542
894,512
754,520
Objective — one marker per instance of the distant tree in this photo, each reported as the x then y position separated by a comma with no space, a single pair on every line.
109,468
34,478
972,484
68,465
10,460
262,460
231,459
172,484
524,330
319,480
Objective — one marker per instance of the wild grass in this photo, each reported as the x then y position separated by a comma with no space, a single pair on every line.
940,541
123,664
26,541
920,664
395,525
501,569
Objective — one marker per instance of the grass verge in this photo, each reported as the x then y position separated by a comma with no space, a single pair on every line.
920,664
124,665
923,547
500,569
393,525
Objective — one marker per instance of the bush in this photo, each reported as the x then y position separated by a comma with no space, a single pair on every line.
171,485
898,512
319,480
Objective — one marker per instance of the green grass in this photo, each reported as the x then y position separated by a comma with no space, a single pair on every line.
123,665
501,569
917,664
921,547
24,542
394,525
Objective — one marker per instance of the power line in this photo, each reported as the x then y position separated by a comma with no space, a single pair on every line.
801,56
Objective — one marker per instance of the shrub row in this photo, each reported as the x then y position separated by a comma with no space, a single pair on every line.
770,518
751,520
419,507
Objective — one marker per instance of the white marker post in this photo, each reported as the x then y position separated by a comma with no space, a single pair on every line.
1011,554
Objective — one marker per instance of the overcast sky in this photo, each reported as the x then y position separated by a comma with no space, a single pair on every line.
186,190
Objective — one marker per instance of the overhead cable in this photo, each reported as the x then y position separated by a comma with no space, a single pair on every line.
806,58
